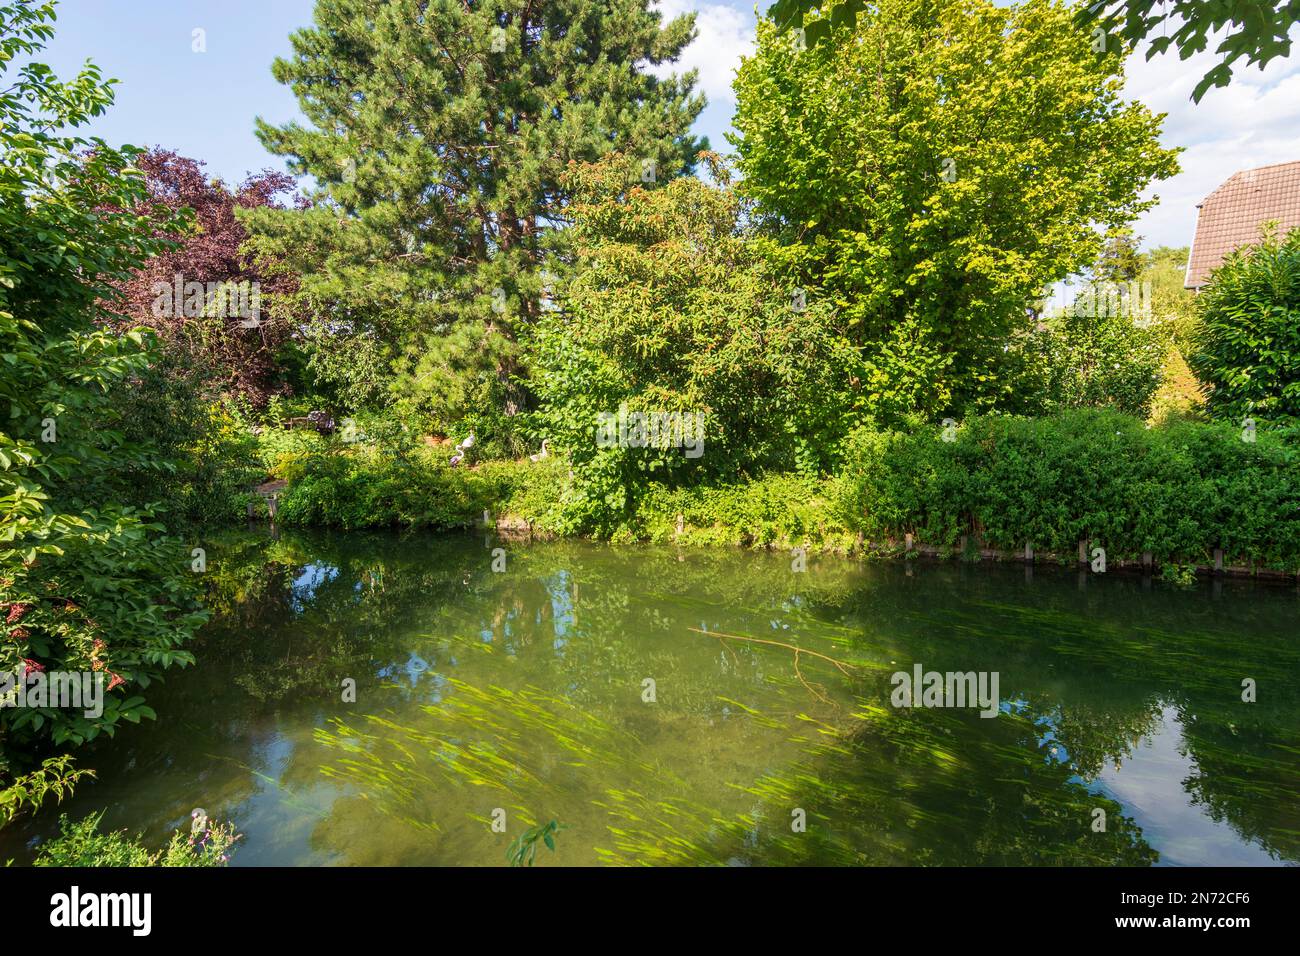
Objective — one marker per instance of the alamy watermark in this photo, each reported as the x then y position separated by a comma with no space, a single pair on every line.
65,690
1100,300
75,908
652,429
923,688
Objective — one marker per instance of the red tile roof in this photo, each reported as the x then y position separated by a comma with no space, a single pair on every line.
1230,216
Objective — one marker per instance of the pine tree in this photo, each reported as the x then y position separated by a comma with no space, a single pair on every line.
1120,260
440,133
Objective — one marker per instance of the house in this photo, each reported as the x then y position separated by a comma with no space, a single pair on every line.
1230,217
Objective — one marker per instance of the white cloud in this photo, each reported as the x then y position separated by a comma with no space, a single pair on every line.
725,34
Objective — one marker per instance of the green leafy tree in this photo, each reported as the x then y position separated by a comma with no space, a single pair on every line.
1257,29
934,168
673,310
1121,260
439,131
86,583
1248,345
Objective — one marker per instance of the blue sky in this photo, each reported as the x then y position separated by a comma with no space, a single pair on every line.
203,104
199,104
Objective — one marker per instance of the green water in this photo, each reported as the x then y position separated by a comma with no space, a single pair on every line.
520,695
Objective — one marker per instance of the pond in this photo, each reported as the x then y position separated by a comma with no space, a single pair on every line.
708,707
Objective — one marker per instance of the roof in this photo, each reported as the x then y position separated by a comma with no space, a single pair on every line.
1230,216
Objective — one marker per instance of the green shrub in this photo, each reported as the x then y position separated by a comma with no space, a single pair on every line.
894,482
1077,360
274,444
368,489
81,844
779,511
215,473
1248,346
1178,490
213,456
674,310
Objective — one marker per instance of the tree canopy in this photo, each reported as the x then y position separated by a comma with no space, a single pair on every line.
235,348
1257,29
439,132
931,169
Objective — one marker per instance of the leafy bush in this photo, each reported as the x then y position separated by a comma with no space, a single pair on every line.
211,458
81,844
214,473
1078,360
895,481
778,511
673,310
1178,491
366,489
1248,347
278,447
87,581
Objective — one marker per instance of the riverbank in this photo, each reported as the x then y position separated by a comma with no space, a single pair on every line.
1097,488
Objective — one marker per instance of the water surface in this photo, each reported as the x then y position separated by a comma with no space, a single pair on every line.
523,695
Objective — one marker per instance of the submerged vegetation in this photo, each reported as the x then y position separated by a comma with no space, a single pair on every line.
483,696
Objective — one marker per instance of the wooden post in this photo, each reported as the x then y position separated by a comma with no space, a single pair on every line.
1148,559
1218,560
908,539
1083,550
1029,553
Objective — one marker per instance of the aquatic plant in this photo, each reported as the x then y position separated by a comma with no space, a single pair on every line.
523,850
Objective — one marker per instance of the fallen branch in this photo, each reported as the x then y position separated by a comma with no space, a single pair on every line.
842,665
